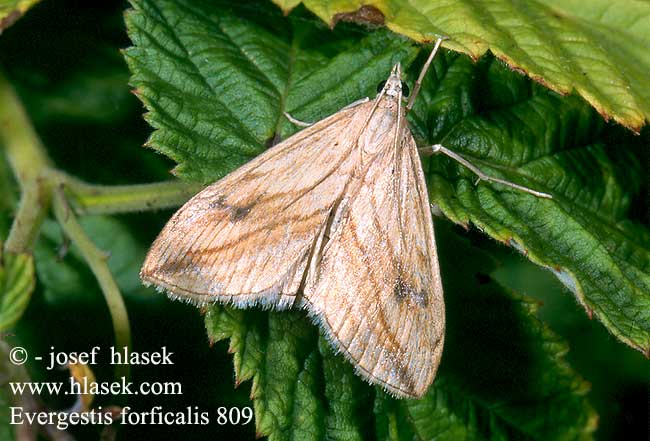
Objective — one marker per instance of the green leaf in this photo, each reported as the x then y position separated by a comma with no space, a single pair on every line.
217,80
597,48
498,352
16,287
503,375
558,146
12,10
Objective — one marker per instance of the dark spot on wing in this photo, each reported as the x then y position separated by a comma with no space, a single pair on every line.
403,290
399,289
179,264
237,212
404,374
219,202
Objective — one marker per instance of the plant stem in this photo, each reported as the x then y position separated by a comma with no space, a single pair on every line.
33,205
103,199
24,149
28,160
97,261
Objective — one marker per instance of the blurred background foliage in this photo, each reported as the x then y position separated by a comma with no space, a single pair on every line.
63,59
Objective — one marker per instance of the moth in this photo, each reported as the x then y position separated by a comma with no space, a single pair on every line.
334,220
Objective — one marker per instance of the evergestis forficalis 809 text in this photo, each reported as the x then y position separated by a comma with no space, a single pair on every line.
335,220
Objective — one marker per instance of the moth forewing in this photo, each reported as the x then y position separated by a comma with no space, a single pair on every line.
334,219
245,239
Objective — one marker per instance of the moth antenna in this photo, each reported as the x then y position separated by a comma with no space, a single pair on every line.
356,103
297,121
306,124
437,148
423,72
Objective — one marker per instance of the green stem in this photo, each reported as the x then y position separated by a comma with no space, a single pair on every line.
34,201
24,149
102,199
97,261
28,160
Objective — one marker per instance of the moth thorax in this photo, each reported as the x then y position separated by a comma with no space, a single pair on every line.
381,131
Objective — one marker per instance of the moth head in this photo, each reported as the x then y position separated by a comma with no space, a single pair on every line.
394,86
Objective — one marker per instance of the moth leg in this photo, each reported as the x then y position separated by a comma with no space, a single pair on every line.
425,68
297,121
437,148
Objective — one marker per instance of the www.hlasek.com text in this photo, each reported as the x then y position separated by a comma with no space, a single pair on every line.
84,386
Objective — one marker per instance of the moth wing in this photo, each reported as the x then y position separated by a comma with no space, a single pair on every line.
247,238
377,290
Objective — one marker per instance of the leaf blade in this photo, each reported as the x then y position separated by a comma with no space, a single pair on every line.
565,46
561,147
17,281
